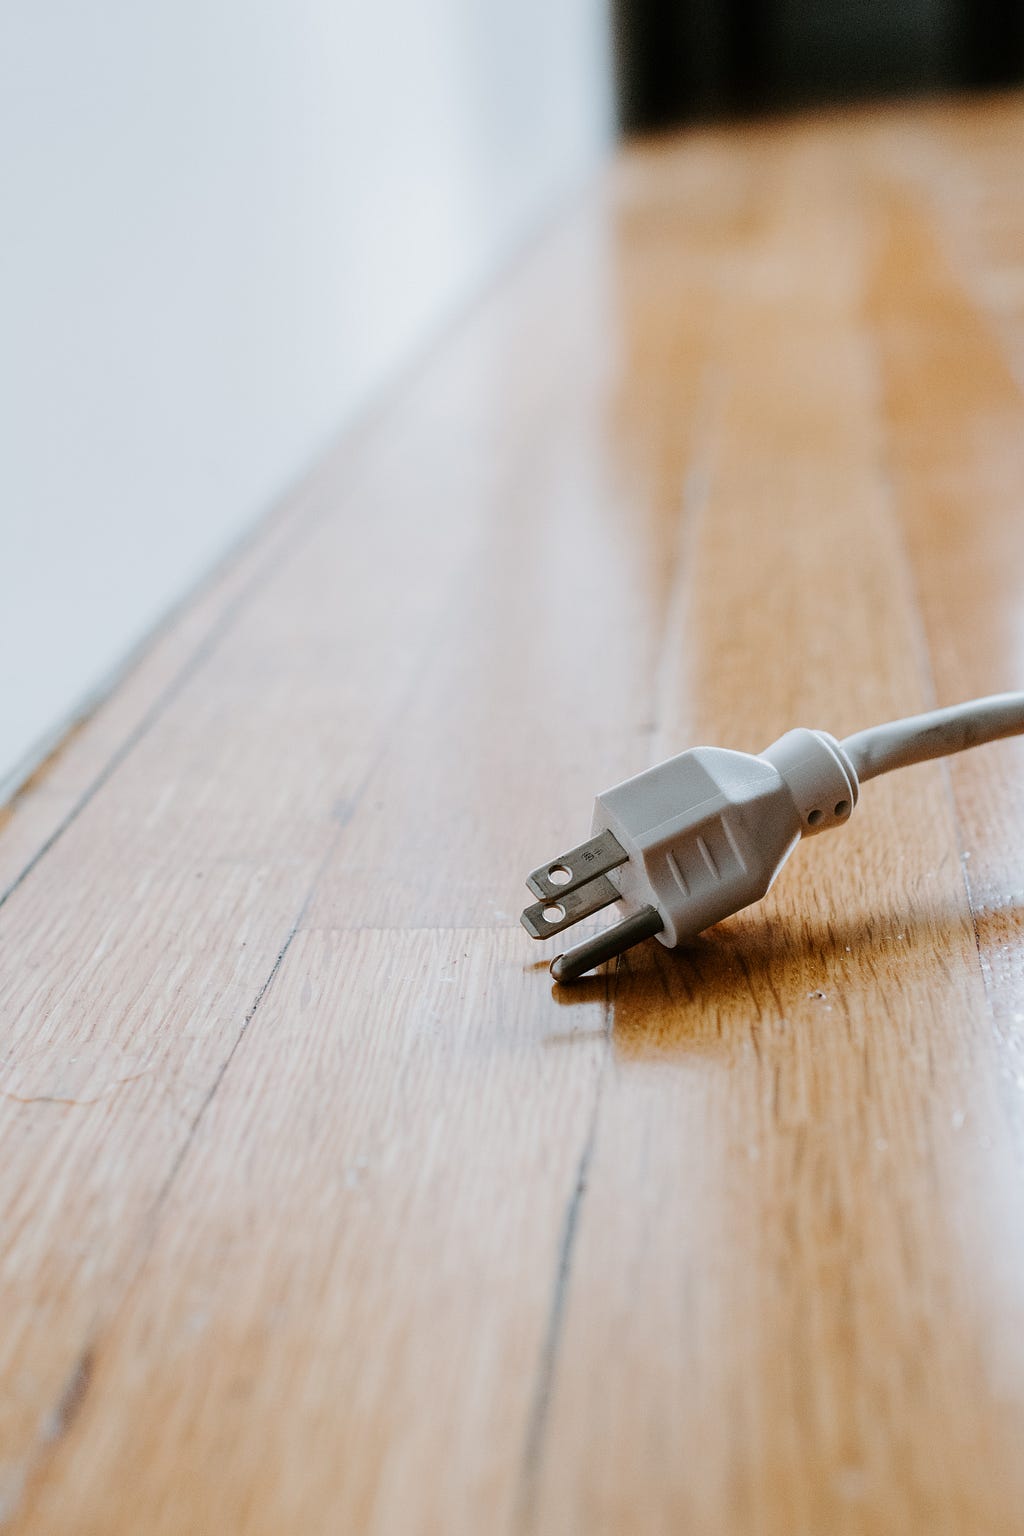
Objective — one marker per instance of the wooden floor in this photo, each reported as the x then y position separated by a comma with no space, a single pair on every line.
322,1211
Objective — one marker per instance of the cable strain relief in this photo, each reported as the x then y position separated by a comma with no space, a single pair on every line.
819,776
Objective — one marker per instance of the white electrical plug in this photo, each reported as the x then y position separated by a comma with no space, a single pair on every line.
697,838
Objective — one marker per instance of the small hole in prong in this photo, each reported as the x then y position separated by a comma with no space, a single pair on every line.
842,808
559,874
813,817
554,913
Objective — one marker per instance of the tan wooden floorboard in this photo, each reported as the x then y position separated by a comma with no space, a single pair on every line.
322,1211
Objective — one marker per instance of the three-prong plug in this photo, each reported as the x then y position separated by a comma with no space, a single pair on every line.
688,843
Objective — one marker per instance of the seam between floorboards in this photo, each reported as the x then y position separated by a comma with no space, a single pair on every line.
537,1422
694,500
416,367
956,260
189,669
918,623
75,1388
57,1424
38,1458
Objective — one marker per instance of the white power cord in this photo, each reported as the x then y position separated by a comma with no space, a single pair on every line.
693,840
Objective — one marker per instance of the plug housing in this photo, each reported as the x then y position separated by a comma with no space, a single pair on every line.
707,832
690,842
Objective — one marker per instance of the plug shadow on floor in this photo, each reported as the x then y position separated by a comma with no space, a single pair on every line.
757,972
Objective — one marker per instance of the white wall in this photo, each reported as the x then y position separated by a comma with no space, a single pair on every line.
224,226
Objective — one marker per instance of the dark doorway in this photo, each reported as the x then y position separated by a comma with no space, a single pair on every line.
685,59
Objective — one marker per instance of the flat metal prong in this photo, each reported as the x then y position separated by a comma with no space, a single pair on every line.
580,865
568,907
605,946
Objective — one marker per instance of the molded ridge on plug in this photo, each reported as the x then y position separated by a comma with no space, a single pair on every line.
708,831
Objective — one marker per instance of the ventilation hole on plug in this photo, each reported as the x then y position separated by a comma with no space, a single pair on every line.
842,807
559,874
813,817
554,914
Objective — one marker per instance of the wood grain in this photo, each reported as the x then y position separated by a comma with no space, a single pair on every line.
322,1210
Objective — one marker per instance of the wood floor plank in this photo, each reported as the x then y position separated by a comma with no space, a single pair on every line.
148,934
410,1138
478,719
323,1210
956,454
796,1080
